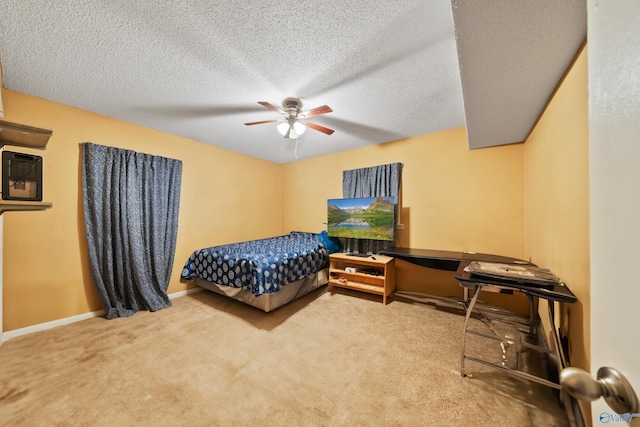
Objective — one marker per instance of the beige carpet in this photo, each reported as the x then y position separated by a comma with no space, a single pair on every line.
329,358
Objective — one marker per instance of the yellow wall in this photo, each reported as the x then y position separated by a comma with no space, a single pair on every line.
556,200
452,199
46,272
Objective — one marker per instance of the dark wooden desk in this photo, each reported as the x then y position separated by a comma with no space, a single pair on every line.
445,260
442,260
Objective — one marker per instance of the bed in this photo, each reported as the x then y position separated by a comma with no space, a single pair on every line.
265,273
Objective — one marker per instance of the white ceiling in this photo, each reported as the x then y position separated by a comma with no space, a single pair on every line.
388,69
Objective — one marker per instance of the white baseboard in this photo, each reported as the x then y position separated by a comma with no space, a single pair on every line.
67,320
48,325
187,292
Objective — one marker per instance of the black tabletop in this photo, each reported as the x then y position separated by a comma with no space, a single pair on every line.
441,260
558,292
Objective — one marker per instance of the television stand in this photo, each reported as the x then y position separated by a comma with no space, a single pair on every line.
357,254
373,274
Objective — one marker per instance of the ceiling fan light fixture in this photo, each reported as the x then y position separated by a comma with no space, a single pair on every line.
295,121
293,128
283,128
299,127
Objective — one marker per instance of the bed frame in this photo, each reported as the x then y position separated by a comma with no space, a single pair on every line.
268,302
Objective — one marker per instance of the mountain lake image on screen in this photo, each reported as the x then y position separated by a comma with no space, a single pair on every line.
361,218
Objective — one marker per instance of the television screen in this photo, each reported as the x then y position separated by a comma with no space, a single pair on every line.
365,218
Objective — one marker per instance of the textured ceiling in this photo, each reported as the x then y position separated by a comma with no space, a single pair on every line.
389,70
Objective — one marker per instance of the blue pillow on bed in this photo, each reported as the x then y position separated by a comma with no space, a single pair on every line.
331,243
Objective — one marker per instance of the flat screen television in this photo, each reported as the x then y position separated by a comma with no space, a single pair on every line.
362,218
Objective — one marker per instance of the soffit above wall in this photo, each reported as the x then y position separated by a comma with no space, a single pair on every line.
512,56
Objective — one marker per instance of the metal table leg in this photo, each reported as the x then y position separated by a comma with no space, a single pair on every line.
531,315
476,292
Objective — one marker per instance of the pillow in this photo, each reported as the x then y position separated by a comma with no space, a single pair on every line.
331,243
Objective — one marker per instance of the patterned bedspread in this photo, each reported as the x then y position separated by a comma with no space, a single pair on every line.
260,265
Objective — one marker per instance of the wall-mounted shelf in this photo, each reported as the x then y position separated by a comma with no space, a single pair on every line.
17,205
22,135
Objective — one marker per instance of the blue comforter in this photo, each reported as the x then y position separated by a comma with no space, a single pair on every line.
262,266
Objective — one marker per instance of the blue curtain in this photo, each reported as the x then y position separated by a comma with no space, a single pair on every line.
375,181
131,203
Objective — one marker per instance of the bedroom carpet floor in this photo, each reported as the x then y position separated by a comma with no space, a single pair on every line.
328,359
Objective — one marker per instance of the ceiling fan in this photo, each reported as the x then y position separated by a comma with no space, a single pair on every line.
295,120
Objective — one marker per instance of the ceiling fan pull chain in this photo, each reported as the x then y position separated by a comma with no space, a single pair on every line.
295,151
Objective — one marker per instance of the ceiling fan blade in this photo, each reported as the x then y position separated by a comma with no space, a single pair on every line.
261,122
317,111
271,107
317,127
